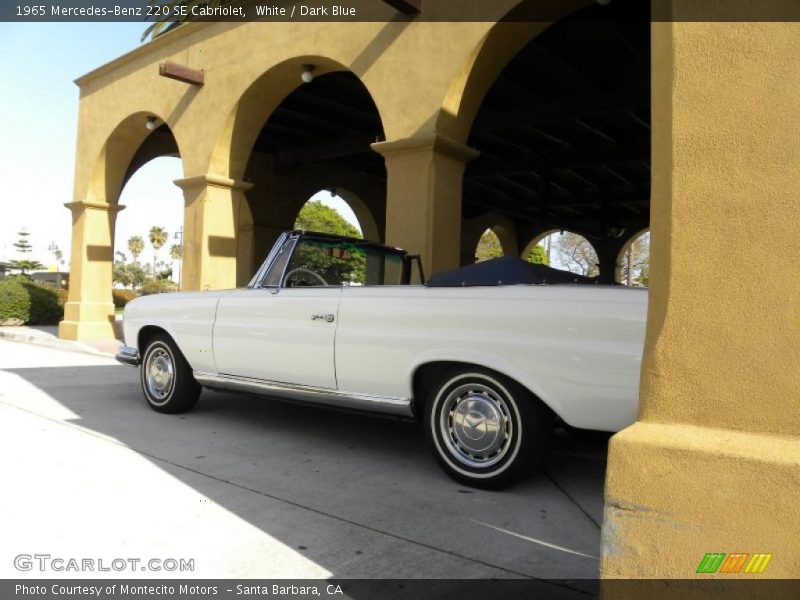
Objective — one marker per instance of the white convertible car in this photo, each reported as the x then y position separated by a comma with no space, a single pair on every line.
485,358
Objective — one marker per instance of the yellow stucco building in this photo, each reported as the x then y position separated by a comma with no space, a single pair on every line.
434,130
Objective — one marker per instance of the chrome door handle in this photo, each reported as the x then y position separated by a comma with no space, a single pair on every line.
327,317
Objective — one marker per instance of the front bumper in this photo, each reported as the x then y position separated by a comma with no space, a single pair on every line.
129,356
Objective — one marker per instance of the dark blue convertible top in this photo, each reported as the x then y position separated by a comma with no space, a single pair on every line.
507,270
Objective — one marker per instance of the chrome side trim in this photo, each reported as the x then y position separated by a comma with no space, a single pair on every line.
128,356
392,405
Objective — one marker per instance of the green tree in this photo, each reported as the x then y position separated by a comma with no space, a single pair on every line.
488,247
135,246
120,273
158,237
128,275
315,216
24,248
22,244
176,252
538,256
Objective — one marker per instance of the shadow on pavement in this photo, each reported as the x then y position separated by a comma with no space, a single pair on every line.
349,472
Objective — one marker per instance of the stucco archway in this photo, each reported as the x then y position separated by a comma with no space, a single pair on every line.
473,229
137,139
289,145
258,103
623,251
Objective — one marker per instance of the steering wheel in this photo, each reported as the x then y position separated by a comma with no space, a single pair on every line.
307,271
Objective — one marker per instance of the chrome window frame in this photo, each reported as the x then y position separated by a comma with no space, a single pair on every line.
281,246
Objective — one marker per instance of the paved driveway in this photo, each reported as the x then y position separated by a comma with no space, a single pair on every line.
254,488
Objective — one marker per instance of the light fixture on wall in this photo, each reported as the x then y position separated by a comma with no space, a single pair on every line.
308,73
603,2
150,123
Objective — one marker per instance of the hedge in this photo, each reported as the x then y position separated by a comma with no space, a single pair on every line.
122,297
158,286
23,302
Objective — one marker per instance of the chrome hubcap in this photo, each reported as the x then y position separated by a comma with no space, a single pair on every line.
475,425
159,374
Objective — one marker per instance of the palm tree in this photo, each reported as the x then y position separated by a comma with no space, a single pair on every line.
158,237
136,247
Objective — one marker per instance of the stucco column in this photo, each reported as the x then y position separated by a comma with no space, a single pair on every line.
423,197
607,258
89,311
713,463
214,207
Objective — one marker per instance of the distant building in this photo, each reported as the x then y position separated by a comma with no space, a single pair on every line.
56,279
4,269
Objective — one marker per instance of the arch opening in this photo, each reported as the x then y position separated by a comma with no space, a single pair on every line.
633,261
328,211
488,246
148,234
317,137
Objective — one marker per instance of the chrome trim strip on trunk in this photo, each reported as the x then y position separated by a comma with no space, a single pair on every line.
392,405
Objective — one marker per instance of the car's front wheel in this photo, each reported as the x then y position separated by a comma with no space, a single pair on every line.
167,380
485,430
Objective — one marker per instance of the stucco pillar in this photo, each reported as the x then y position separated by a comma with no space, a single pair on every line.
214,207
89,311
713,463
423,197
607,258
245,259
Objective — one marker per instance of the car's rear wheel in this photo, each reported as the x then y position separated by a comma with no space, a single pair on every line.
484,429
167,380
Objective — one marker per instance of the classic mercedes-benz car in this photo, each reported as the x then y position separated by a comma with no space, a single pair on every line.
488,357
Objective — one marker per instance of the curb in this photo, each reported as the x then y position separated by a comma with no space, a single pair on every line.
51,342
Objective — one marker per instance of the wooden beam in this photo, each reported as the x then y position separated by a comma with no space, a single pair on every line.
181,73
407,7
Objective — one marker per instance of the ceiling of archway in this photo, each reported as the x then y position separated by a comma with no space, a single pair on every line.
331,120
564,132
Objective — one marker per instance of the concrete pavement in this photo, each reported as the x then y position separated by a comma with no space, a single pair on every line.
47,335
254,488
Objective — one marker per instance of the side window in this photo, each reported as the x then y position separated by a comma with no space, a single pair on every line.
273,277
318,264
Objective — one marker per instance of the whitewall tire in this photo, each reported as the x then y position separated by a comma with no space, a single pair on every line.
484,429
166,377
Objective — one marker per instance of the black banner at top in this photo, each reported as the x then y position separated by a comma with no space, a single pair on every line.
398,10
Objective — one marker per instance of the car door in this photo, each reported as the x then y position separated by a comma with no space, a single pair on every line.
278,333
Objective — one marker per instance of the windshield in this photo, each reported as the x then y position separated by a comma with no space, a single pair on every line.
316,263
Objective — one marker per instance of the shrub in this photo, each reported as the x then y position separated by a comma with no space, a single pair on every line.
23,302
158,286
122,297
15,304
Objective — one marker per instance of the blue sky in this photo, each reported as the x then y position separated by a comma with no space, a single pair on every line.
39,104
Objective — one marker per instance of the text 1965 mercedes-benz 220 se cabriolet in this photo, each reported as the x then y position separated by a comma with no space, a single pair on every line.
488,357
